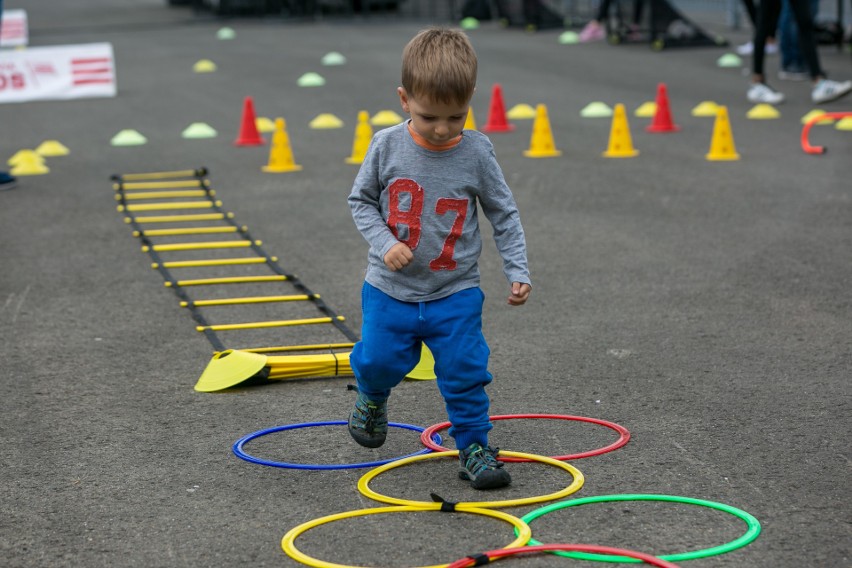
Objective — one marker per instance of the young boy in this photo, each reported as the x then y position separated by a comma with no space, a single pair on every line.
415,202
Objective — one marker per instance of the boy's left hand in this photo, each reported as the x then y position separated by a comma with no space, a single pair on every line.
520,293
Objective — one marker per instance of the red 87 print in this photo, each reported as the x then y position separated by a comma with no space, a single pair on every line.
411,218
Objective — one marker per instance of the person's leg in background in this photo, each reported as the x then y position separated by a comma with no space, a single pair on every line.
771,46
793,66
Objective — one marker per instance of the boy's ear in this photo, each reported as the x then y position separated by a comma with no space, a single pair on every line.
403,99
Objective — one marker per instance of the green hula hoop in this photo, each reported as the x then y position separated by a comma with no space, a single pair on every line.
522,530
749,536
575,485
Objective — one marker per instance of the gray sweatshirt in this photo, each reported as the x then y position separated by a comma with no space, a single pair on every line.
428,200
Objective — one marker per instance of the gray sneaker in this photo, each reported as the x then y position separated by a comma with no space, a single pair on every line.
479,465
827,90
368,423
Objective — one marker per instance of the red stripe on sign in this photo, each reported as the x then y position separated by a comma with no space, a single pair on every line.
90,60
92,81
83,71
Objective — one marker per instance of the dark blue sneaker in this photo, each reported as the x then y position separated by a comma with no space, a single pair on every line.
7,181
368,423
479,465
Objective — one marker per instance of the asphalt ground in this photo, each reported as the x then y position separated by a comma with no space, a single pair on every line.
704,306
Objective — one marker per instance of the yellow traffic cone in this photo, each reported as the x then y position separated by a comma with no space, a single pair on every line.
722,144
363,135
470,121
541,142
620,141
281,154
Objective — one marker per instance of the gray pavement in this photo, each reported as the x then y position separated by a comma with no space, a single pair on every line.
705,306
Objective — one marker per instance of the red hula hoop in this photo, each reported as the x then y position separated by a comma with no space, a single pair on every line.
496,554
624,435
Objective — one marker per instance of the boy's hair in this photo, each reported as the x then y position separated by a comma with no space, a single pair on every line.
439,64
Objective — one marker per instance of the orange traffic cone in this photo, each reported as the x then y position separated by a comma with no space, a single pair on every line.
722,146
620,141
541,142
363,135
663,115
281,154
497,113
248,135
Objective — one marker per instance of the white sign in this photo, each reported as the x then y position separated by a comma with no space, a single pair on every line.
13,28
57,72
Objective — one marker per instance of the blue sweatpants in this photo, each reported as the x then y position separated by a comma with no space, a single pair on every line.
391,335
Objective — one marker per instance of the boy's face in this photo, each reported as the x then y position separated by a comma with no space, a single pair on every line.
435,121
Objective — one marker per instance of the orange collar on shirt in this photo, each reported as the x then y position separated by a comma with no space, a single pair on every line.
422,142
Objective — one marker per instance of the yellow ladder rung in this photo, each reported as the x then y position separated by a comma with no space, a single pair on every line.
288,348
249,300
157,184
265,324
200,245
163,206
227,280
180,218
169,174
188,231
166,194
214,262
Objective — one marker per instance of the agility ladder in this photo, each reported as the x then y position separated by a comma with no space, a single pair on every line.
180,192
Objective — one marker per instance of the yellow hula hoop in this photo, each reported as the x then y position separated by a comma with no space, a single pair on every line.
576,484
287,542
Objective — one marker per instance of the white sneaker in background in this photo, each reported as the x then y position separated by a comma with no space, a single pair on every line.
745,49
763,93
771,48
827,90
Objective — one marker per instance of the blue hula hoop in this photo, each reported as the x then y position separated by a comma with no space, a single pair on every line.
241,453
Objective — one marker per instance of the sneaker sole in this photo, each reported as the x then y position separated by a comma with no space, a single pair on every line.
498,478
839,95
367,440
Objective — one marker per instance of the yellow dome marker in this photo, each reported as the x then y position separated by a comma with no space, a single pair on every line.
264,124
705,108
762,111
229,368
29,165
815,113
326,121
385,118
521,111
25,155
204,66
646,110
844,123
425,369
50,148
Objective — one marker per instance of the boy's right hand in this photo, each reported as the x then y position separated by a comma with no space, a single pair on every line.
398,257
